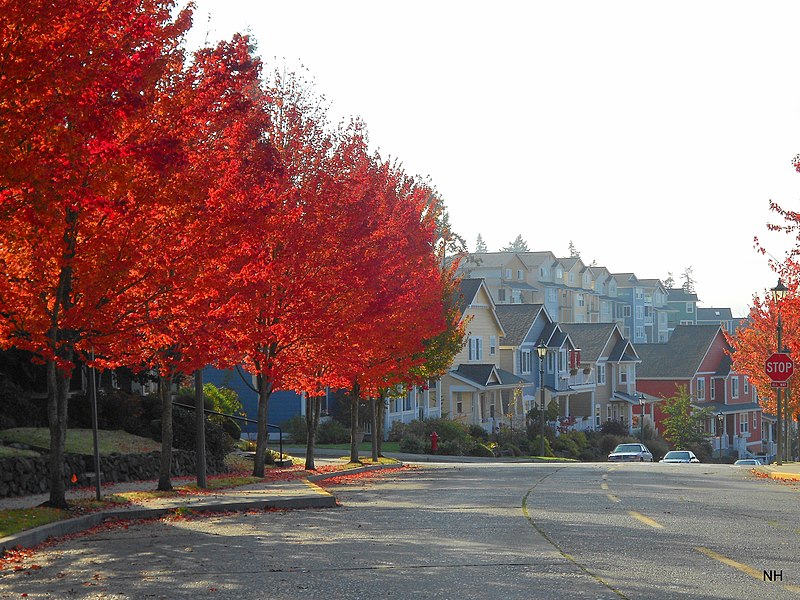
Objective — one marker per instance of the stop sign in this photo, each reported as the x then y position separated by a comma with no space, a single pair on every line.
779,367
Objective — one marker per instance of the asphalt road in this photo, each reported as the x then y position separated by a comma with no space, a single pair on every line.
461,531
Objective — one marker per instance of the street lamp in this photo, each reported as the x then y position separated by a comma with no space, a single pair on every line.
541,350
778,294
720,425
641,415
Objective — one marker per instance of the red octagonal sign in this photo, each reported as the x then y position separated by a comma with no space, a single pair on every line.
779,367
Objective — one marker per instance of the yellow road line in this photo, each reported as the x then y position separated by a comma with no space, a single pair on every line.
645,520
603,486
612,497
731,563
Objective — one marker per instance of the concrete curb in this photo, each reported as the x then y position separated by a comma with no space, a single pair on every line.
773,473
321,499
33,537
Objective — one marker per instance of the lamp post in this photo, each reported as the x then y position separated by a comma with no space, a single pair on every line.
641,416
541,350
720,425
778,294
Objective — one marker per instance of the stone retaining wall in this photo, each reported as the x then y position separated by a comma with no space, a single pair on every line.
22,476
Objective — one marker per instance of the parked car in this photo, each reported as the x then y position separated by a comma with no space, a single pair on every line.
679,456
748,462
631,453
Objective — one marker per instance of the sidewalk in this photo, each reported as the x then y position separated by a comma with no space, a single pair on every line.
787,471
289,493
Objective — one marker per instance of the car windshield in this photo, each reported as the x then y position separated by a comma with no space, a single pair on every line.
628,448
677,455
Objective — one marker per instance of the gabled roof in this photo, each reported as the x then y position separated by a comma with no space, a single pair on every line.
570,262
681,356
714,314
495,259
623,351
680,295
553,336
624,279
469,289
591,338
652,283
486,376
517,320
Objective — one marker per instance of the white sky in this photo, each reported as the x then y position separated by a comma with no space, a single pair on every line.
651,134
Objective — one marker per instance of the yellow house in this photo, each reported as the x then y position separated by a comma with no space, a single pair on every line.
472,391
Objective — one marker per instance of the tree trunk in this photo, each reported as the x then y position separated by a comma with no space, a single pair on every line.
313,408
262,437
354,432
57,392
373,412
165,466
200,429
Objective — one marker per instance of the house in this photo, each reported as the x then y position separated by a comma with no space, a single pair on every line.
697,357
682,306
523,325
656,311
474,388
717,316
506,277
609,362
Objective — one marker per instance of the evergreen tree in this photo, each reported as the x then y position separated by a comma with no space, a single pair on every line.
669,282
518,245
688,281
573,251
480,245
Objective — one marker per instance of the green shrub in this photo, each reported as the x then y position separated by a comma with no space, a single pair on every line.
607,443
218,443
479,433
412,444
566,447
536,446
614,428
332,432
296,429
398,431
480,449
657,447
450,448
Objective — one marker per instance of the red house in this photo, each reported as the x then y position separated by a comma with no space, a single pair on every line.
696,358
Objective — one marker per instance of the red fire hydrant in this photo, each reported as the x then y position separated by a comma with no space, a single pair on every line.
434,442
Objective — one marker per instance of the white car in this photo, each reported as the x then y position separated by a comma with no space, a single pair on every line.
679,456
631,453
748,462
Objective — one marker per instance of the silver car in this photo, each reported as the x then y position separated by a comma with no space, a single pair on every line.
680,456
631,453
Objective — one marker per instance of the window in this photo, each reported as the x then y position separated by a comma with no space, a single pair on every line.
597,415
626,311
639,333
559,273
581,301
519,274
552,294
639,313
746,386
492,345
639,293
623,373
551,362
701,389
743,425
543,272
601,373
501,295
755,421
612,289
524,361
713,391
508,273
608,412
572,277
690,307
475,348
735,387
562,360
687,323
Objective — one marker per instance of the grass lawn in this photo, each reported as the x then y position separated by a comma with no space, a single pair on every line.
6,451
80,441
364,447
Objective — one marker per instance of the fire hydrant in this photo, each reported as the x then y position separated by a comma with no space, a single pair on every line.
434,442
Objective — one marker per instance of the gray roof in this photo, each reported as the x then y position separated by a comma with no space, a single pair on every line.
481,375
714,314
469,288
681,357
680,295
591,338
623,351
516,320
